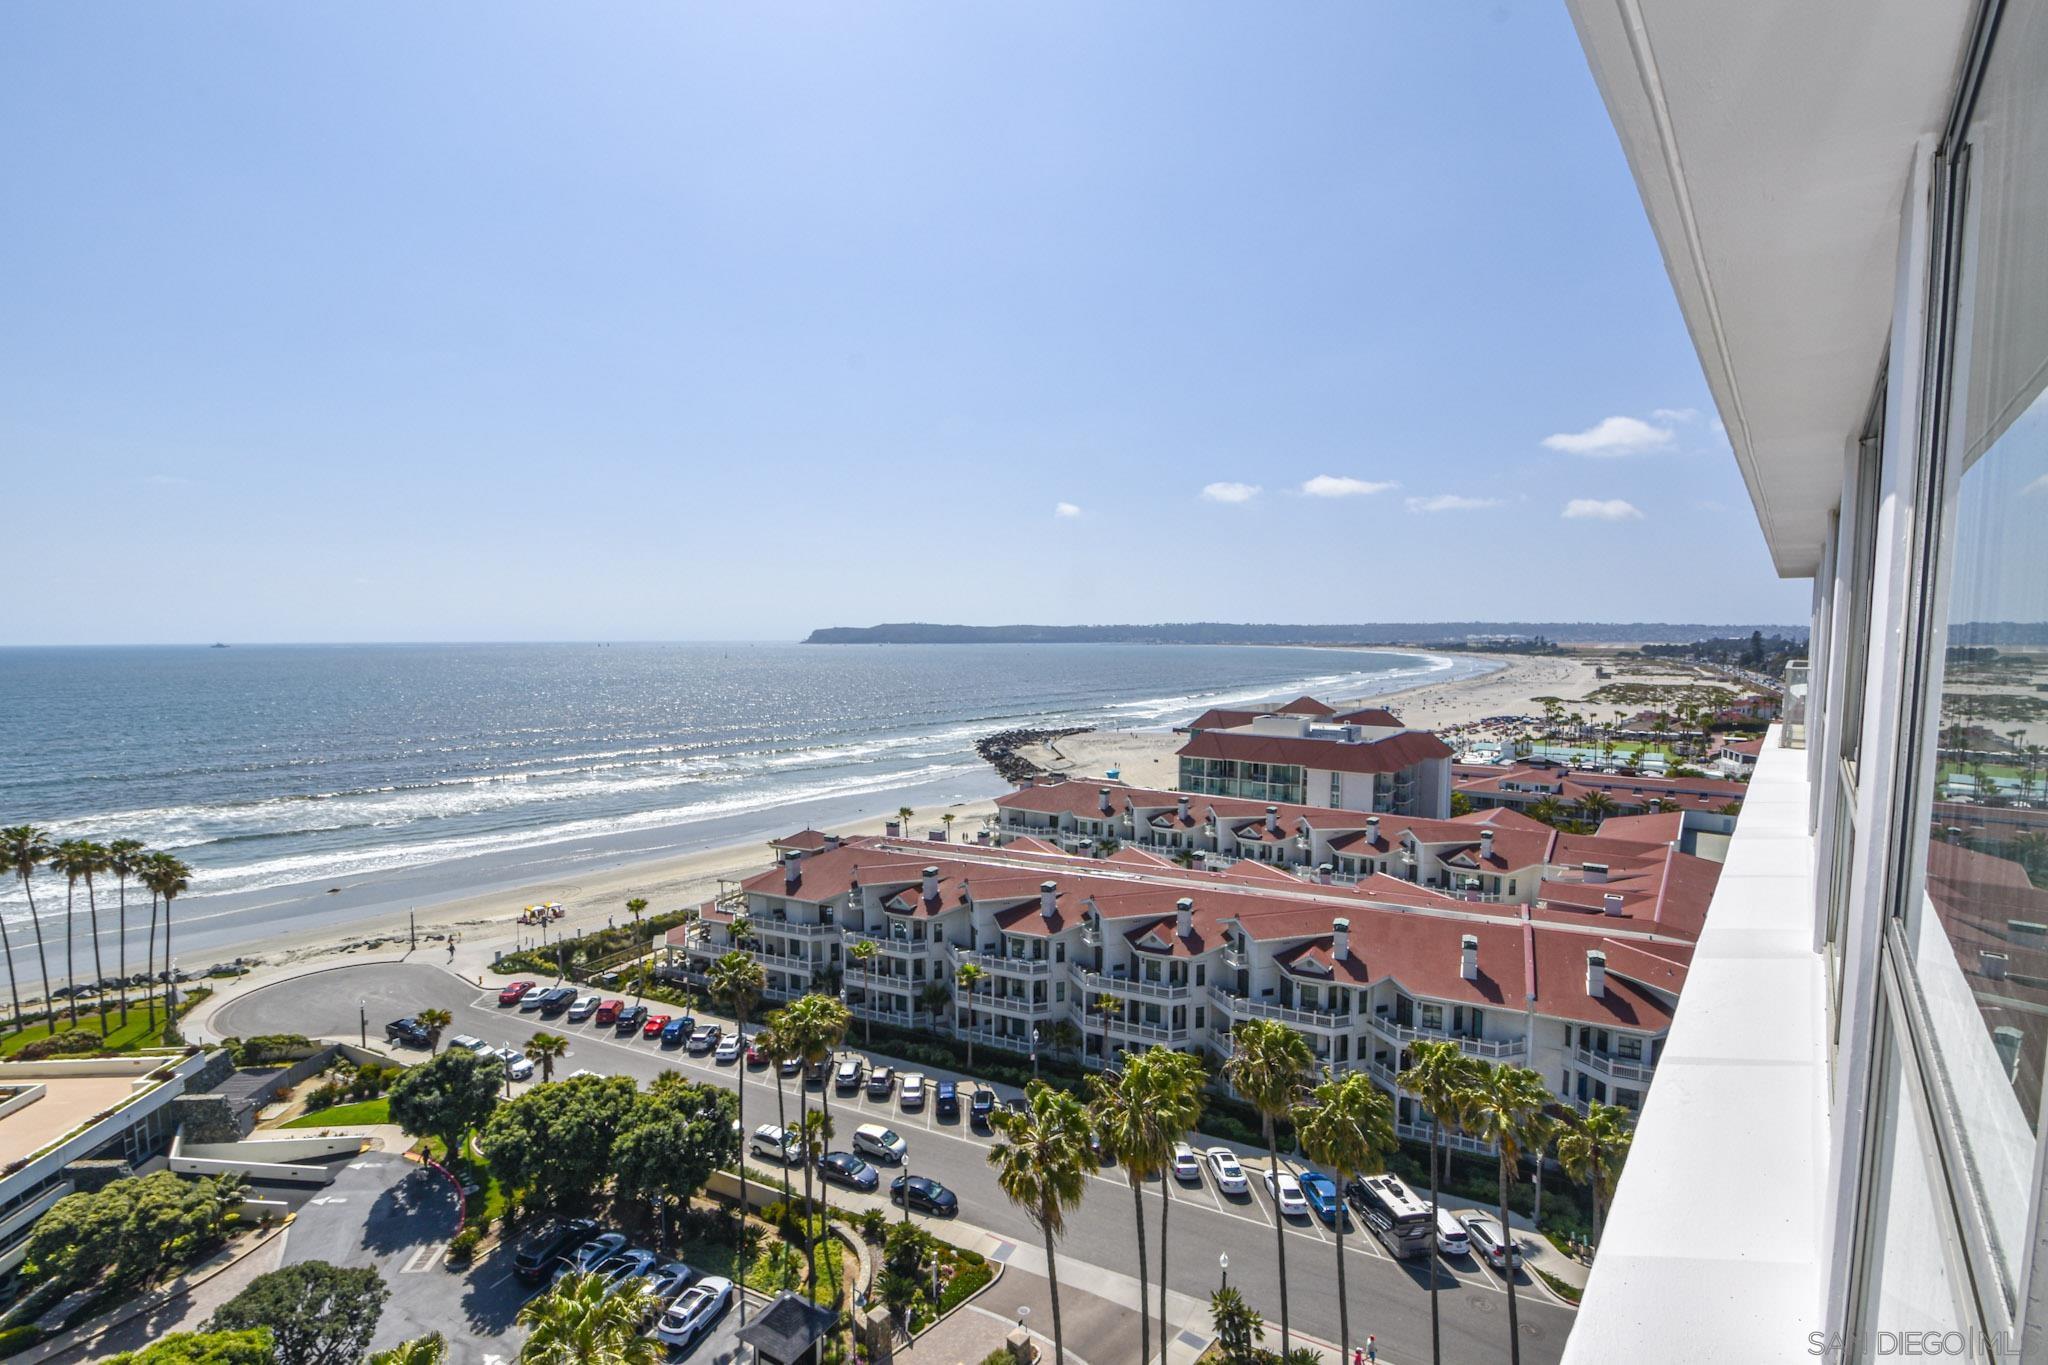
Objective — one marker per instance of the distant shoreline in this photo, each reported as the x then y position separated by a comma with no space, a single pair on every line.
1391,635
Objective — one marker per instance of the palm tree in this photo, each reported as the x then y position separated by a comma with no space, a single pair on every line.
862,951
1349,1127
123,858
433,1021
775,1047
25,848
967,976
1265,1067
583,1322
1439,1075
543,1049
167,877
1042,1163
636,907
737,982
1594,806
1592,1151
821,1023
1545,809
431,1349
948,818
1129,1125
1505,1108
77,859
1179,1092
903,814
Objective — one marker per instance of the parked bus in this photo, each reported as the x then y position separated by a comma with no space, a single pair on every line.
1393,1212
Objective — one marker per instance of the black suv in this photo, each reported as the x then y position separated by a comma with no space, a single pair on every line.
981,1106
630,1019
407,1032
546,1245
946,1100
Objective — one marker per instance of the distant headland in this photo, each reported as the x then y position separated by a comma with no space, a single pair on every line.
1448,634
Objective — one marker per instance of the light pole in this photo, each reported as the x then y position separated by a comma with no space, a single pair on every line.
1034,1052
1223,1264
363,1023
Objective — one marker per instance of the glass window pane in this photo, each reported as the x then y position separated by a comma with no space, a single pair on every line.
1980,933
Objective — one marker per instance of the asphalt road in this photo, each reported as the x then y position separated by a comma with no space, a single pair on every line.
1388,1298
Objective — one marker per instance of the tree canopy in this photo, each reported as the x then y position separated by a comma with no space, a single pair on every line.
673,1138
448,1095
556,1139
317,1314
131,1228
203,1348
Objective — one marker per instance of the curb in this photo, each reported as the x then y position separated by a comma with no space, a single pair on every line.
993,1281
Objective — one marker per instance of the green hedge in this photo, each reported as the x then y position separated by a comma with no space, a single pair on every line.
967,1280
15,1340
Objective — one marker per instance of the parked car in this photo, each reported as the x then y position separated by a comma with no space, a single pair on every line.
513,990
540,1249
881,1081
704,1039
844,1168
667,1280
532,1000
981,1106
884,1144
408,1032
1486,1240
775,1143
602,1247
630,1020
755,1056
654,1025
1323,1199
678,1030
584,1007
517,1065
624,1268
925,1195
913,1090
469,1042
1187,1167
946,1100
791,1065
728,1050
557,1000
1224,1170
608,1013
1286,1192
694,1311
847,1078
1450,1234
817,1071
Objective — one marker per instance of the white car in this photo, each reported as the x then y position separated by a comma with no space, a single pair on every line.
516,1064
775,1144
729,1049
1224,1170
1286,1192
913,1090
694,1311
1187,1167
469,1042
872,1139
1450,1234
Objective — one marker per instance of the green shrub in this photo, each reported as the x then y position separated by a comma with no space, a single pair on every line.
462,1247
15,1340
64,1044
966,1281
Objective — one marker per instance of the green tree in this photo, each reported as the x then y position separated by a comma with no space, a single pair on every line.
431,1349
1267,1062
555,1141
672,1139
434,1021
1128,1123
1440,1075
166,876
1238,1327
1505,1108
967,977
318,1314
903,814
737,982
25,848
776,1049
544,1050
78,860
1592,1152
861,953
822,1023
203,1348
1347,1126
446,1096
1178,1095
130,1228
579,1323
124,859
636,907
1042,1162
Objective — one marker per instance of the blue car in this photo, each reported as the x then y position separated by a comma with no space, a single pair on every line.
1321,1193
677,1029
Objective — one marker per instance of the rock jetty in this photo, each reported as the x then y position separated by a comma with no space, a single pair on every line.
1000,751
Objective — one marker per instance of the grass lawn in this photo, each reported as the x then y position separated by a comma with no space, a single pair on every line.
120,1037
345,1115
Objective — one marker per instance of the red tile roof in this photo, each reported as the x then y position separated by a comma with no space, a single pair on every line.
1391,754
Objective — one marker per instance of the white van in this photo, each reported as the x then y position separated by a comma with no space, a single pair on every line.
1450,1234
771,1142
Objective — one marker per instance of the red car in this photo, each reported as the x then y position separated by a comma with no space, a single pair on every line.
510,995
655,1024
608,1012
756,1057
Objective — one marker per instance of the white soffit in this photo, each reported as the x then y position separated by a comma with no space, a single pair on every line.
1771,143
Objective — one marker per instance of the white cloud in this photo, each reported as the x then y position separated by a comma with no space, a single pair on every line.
1451,502
1065,509
1602,509
1611,436
2039,485
1230,492
1677,414
1341,486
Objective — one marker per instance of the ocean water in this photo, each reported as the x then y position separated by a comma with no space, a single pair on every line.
272,767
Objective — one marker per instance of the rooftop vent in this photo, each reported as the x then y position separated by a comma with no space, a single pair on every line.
1048,899
1468,957
1596,973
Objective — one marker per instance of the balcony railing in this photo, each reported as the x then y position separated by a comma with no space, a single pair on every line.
1617,1067
1017,1005
1137,1028
881,1014
1235,957
889,943
795,928
1111,984
1001,962
1453,1139
1243,1007
1477,1047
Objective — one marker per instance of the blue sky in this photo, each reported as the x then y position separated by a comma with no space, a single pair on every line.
730,320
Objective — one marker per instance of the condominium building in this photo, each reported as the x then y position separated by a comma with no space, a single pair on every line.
1844,1156
1308,753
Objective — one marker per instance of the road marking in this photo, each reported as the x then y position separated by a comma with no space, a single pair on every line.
423,1259
367,1164
329,1199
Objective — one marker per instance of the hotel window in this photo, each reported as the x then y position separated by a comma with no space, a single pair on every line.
1433,1018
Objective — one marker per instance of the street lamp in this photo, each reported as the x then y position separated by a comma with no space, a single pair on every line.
1034,1052
1223,1264
363,1023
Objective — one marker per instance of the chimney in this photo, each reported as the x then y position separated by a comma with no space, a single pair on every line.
1103,800
1184,807
1048,898
1340,939
931,883
1611,902
1595,874
1992,964
792,869
831,841
1468,957
1372,829
1184,916
1323,873
1485,844
1272,819
1596,973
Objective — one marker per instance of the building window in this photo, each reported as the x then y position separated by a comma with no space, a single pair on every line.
1433,1018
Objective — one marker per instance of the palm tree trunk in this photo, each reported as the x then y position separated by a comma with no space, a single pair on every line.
1507,1230
70,957
782,1122
1052,1277
121,950
1436,1344
803,1128
1279,1237
99,972
739,1090
13,989
42,958
1344,1300
1144,1318
1593,1184
825,1190
171,980
1165,1203
149,962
